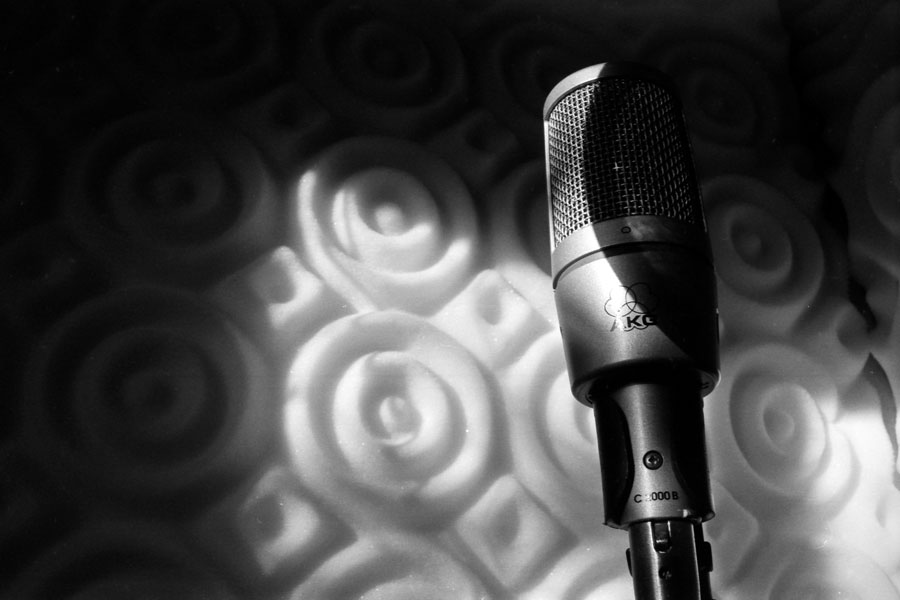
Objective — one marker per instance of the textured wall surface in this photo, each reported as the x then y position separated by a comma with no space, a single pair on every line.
277,322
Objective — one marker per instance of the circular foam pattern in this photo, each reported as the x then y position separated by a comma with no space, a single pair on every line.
883,171
519,62
172,195
732,93
140,560
870,173
386,224
384,404
774,433
872,160
391,566
148,393
768,255
176,52
520,235
553,436
370,64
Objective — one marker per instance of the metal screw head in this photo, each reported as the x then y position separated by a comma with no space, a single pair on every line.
653,460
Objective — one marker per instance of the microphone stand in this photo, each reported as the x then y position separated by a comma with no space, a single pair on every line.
635,292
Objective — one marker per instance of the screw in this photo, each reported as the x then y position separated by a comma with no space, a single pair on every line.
653,460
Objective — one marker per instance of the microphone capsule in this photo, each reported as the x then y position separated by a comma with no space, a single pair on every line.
617,146
631,263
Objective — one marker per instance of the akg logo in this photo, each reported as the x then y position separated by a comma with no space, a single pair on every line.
631,307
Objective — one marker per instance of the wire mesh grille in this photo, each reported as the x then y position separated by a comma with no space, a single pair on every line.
619,147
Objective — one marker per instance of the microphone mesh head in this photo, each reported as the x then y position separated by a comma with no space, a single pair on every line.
618,146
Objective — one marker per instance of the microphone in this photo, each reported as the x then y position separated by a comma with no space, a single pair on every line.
635,293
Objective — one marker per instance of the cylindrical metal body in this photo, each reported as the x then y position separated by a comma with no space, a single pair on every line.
662,419
631,263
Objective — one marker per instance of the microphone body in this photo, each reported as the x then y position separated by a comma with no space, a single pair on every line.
635,293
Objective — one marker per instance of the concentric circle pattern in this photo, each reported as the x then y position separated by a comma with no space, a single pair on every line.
872,160
171,195
386,67
147,393
768,255
735,99
277,322
785,437
386,224
385,404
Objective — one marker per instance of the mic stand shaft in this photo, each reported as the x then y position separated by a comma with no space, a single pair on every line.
669,560
656,481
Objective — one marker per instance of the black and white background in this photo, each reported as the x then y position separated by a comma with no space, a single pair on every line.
276,319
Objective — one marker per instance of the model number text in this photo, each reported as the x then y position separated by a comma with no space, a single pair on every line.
655,496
